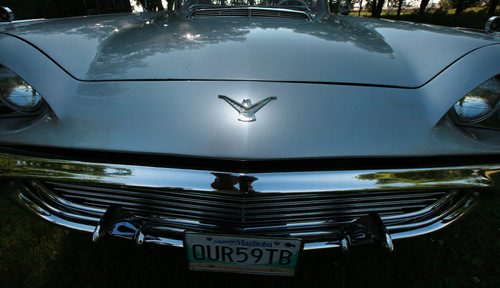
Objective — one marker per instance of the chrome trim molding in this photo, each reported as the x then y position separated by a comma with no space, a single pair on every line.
250,10
462,184
475,176
492,25
6,14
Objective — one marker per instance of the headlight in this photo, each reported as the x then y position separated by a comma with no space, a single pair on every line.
16,94
481,105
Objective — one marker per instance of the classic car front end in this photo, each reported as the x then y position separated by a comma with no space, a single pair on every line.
261,123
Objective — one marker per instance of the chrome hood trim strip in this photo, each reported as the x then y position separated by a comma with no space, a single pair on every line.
476,176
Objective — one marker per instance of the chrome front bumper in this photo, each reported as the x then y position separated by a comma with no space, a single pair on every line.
326,208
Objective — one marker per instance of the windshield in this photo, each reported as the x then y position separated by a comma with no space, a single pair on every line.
313,6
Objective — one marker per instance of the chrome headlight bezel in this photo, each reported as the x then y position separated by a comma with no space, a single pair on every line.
18,96
480,108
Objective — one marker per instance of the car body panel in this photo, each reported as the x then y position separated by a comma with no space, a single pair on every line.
168,46
306,120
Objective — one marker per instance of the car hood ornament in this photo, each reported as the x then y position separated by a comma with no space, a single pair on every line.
246,109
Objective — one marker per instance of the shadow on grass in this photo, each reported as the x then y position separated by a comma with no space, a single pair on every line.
37,254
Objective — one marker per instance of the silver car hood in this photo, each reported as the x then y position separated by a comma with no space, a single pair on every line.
164,46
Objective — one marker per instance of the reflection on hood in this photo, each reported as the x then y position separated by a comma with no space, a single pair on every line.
334,49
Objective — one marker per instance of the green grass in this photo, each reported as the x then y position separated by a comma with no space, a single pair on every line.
34,253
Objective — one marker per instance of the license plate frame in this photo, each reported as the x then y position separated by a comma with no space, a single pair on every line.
277,256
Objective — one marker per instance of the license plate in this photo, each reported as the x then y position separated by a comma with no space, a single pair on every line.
253,255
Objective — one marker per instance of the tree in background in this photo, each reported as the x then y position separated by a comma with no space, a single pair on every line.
27,9
493,7
459,5
156,5
400,5
423,6
376,7
334,6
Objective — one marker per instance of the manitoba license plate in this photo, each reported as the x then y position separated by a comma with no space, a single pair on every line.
270,256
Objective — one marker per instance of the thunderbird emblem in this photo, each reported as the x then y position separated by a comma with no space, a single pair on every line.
246,109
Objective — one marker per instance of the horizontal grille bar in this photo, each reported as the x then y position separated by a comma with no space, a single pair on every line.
294,214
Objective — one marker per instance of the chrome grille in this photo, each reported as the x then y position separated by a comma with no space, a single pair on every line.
311,216
220,12
326,208
267,13
250,12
